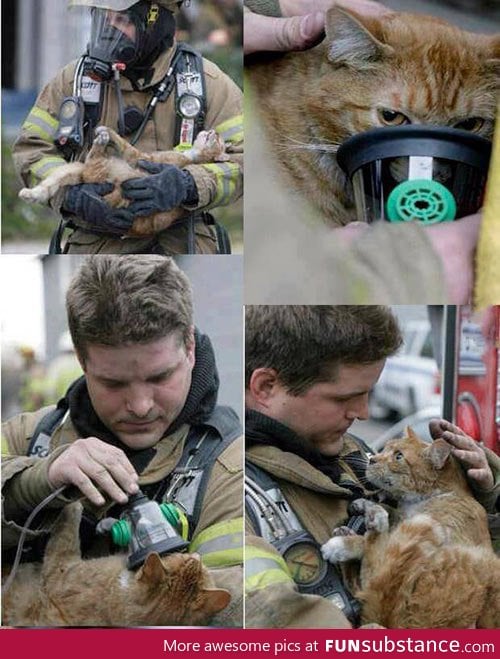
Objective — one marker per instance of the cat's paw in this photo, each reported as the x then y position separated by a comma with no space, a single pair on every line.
343,531
208,146
102,136
336,550
36,195
376,517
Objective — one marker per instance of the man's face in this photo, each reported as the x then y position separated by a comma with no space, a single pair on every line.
325,411
138,390
122,21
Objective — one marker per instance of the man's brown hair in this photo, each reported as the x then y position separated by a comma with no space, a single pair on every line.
307,344
118,300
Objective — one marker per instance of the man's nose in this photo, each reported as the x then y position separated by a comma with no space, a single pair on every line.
358,408
140,401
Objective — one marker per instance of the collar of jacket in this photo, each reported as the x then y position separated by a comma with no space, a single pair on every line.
290,467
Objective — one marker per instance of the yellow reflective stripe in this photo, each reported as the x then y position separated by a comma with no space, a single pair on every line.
41,123
5,447
231,130
45,166
220,544
227,174
263,569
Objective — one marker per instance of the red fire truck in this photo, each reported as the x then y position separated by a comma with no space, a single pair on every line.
471,377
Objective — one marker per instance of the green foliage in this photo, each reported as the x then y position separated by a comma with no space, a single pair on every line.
21,221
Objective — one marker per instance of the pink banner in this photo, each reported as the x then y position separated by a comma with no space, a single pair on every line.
261,643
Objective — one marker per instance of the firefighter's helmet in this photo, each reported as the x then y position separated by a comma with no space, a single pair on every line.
121,5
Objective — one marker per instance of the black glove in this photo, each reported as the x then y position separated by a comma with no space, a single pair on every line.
168,187
85,201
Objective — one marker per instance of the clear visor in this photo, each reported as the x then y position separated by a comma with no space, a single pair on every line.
114,36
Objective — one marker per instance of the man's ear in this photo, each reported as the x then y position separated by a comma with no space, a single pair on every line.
81,359
262,386
354,40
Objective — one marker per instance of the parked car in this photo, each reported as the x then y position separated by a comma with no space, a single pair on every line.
410,380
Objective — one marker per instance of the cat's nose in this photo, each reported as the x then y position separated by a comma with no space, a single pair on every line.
372,459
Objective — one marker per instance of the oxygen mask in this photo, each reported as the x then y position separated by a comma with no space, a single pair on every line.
130,38
426,174
146,526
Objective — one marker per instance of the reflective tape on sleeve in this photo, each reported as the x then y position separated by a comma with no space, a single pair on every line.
263,569
41,123
231,130
45,166
220,545
227,175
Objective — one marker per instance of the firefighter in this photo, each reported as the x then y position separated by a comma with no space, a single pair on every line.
304,467
158,94
143,415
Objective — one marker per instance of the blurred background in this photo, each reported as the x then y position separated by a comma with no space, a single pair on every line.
448,367
39,37
38,362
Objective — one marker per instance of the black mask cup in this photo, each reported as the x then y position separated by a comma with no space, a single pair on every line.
427,174
154,33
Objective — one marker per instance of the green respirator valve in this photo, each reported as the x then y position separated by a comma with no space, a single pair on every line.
426,201
120,531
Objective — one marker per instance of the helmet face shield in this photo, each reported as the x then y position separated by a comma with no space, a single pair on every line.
132,37
416,173
113,37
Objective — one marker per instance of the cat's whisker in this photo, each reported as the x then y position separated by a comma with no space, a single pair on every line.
294,144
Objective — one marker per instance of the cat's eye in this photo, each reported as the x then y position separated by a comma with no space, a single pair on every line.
398,456
392,117
472,124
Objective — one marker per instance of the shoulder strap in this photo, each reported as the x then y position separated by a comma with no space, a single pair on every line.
205,442
190,79
40,440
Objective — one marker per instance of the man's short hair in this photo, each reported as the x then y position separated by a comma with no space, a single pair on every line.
308,344
118,300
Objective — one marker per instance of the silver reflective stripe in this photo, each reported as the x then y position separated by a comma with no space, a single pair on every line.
254,566
223,542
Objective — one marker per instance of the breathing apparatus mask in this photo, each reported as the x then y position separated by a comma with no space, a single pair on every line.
146,526
131,39
427,174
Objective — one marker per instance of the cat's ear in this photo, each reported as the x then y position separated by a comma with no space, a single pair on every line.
438,453
152,571
410,434
216,599
353,40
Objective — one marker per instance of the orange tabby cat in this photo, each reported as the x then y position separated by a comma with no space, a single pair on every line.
68,591
436,568
112,159
370,72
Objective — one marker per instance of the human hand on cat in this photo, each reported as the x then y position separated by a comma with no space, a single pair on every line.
465,449
455,245
91,463
301,27
87,203
166,188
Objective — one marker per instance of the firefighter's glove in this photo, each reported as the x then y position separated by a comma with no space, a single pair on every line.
87,203
166,188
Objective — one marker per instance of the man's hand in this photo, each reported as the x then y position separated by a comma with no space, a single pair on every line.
90,464
302,26
168,187
455,244
86,202
465,449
